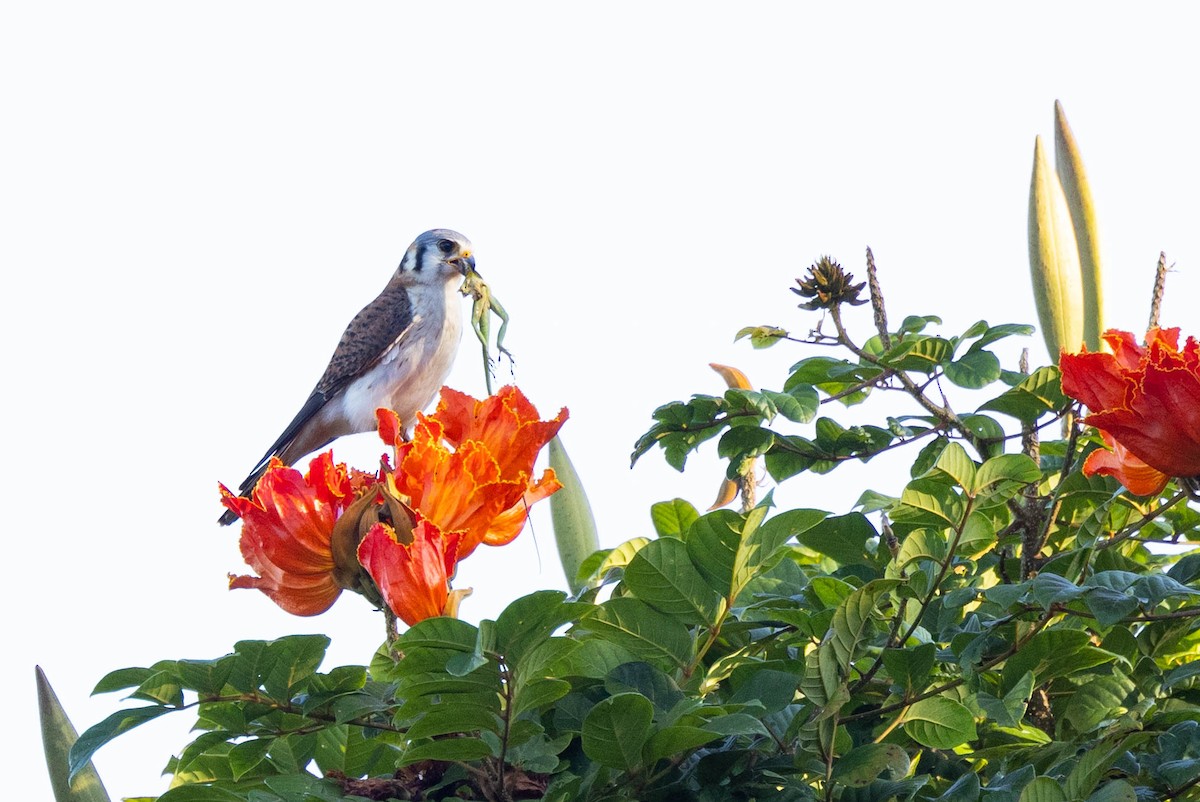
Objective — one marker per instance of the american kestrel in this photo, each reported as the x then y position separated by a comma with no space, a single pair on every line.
395,353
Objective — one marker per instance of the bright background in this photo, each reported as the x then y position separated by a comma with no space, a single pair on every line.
197,198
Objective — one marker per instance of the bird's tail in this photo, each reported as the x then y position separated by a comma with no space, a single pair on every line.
244,490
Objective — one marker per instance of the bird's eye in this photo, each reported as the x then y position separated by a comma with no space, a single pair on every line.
446,246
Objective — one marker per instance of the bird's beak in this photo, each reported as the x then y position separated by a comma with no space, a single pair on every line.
466,263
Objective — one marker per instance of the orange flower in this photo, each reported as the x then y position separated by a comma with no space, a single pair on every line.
1146,399
481,490
286,533
412,572
1138,477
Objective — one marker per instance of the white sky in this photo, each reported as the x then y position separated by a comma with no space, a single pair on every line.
197,198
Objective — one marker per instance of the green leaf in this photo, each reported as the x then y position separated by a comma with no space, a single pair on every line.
853,624
1115,791
675,740
762,336
1181,674
58,736
673,518
205,677
447,749
841,537
1050,589
921,544
1097,699
799,405
988,431
921,354
939,723
527,622
999,332
200,792
539,693
860,767
454,717
745,442
616,729
1054,653
98,735
1037,395
642,630
440,633
765,687
592,659
976,369
928,501
1180,772
277,666
1043,789
122,678
1091,767
955,463
964,789
723,547
663,576
351,751
247,755
1009,711
914,324
911,668
1016,468
602,562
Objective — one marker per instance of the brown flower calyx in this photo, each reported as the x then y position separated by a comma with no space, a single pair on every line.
829,286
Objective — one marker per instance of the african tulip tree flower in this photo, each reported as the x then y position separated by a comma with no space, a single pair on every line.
412,569
468,468
1138,477
1145,398
287,525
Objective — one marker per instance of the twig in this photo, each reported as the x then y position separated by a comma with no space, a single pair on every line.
1137,525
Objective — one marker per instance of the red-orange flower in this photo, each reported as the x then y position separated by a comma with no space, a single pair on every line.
469,466
286,527
1138,477
1147,400
414,576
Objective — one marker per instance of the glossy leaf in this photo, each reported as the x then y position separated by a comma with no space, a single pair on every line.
974,370
939,723
616,729
663,576
863,765
642,630
673,518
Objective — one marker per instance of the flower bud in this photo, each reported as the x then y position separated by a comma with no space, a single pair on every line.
1054,260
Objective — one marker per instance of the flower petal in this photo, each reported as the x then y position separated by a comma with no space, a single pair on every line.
1137,477
286,529
413,577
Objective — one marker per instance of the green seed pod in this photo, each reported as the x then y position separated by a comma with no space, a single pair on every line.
1078,192
571,514
58,735
1054,260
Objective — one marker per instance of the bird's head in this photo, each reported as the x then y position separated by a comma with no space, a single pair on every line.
438,255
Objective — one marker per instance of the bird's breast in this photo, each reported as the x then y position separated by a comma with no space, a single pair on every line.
409,374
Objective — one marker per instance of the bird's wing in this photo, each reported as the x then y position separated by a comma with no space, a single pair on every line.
366,340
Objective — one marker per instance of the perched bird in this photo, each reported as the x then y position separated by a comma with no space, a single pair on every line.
395,353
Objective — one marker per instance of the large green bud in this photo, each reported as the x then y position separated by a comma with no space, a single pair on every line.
1078,192
571,514
1054,259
